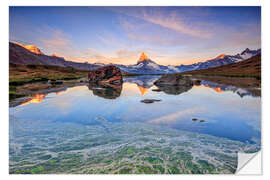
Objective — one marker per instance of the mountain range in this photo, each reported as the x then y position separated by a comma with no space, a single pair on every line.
30,54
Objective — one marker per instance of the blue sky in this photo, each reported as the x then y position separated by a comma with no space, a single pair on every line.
168,35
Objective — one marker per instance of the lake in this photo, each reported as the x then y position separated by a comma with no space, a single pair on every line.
86,129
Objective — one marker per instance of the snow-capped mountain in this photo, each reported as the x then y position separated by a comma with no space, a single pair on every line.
30,54
147,66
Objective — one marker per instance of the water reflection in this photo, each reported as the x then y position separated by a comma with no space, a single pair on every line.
82,130
36,99
241,91
107,91
174,90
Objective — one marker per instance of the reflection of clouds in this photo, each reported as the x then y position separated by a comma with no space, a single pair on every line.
130,89
171,118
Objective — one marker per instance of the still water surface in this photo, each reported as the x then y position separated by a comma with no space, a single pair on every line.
227,116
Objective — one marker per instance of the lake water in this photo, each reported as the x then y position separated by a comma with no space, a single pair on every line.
87,129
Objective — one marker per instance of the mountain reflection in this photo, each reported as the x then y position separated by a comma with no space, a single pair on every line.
142,90
239,90
38,98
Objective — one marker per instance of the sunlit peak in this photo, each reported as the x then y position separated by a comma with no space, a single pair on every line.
143,57
221,56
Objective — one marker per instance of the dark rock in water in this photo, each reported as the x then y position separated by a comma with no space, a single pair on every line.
194,119
197,82
174,80
106,75
174,90
55,82
107,91
156,90
202,120
148,101
174,84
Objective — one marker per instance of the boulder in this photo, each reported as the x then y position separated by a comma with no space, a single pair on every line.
106,75
174,84
197,82
174,80
174,90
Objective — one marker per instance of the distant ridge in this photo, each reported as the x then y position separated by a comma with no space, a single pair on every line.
30,54
20,54
247,68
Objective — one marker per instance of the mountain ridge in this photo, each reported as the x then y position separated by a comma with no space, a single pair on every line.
20,54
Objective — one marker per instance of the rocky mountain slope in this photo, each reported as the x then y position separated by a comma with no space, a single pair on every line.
29,54
250,67
147,66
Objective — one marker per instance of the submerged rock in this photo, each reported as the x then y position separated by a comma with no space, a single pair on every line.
202,120
148,101
106,75
156,90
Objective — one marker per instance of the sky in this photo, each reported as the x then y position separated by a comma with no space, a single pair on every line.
168,35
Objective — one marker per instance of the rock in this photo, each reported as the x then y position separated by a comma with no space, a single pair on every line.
156,90
174,90
148,101
107,91
197,82
106,75
174,84
194,119
55,82
174,80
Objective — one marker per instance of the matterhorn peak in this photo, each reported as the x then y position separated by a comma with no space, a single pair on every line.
143,57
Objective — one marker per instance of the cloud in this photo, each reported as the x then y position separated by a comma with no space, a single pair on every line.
170,20
58,40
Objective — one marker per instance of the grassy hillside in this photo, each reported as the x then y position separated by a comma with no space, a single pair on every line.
247,68
21,74
25,74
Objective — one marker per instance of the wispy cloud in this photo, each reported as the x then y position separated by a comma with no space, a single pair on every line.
170,20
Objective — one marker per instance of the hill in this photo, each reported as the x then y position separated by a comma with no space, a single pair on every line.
31,55
246,68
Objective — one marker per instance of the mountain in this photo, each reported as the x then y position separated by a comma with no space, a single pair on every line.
31,55
248,67
31,48
147,66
